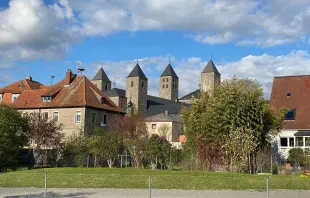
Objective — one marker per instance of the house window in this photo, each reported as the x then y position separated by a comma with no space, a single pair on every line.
45,116
14,97
47,98
283,142
299,141
307,141
93,117
142,84
153,126
104,121
290,115
78,116
1,96
288,95
292,142
55,116
131,84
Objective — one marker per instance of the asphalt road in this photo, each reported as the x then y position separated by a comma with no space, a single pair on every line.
144,193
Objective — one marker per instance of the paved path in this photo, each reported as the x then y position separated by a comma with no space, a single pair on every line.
144,193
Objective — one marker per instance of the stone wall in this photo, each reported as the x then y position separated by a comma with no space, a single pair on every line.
209,81
102,85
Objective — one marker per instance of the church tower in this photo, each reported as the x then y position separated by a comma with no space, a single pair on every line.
102,81
169,84
209,77
136,90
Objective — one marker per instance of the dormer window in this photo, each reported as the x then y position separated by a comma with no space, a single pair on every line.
14,97
290,115
102,100
47,98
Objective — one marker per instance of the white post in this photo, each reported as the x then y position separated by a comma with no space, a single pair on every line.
150,187
267,186
45,184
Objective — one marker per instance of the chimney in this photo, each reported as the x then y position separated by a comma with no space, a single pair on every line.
69,77
28,77
166,113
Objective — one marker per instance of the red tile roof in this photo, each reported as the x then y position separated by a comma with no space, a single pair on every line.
299,89
21,85
80,93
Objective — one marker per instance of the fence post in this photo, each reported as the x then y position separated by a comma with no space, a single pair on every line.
267,186
45,184
150,187
271,164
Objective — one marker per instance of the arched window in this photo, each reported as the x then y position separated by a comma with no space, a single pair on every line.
166,85
131,84
163,79
163,86
142,84
166,79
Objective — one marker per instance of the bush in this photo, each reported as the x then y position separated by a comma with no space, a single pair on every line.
296,157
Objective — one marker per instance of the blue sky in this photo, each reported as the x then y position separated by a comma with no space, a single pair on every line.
246,38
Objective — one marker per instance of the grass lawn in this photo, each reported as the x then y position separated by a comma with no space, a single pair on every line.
139,178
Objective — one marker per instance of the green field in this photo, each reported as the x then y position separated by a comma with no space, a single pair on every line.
139,178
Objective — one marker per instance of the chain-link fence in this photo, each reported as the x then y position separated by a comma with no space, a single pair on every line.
22,184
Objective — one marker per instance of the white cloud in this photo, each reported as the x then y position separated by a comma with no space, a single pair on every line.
250,22
263,68
30,29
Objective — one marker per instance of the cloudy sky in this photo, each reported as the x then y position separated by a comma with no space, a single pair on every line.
247,38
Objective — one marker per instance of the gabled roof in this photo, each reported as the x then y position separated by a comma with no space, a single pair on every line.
191,95
21,85
161,117
115,92
210,67
101,75
137,72
292,92
80,93
169,71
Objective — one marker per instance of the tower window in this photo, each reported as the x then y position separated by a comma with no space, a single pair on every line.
142,84
166,79
163,79
106,87
166,85
131,84
163,86
173,79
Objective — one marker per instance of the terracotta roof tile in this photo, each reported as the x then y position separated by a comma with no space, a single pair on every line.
21,85
299,89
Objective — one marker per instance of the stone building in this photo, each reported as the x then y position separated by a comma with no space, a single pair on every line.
74,101
162,110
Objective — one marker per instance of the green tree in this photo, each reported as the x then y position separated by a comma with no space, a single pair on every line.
75,151
235,104
158,149
105,145
296,157
14,135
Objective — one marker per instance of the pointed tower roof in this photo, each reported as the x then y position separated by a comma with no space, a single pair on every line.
137,72
101,75
169,71
210,67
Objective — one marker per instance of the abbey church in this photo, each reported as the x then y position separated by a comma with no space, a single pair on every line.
135,98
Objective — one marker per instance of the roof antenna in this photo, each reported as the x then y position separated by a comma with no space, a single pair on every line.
81,70
52,79
114,84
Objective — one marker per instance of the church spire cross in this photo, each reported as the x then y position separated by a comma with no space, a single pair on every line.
137,60
169,59
210,56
